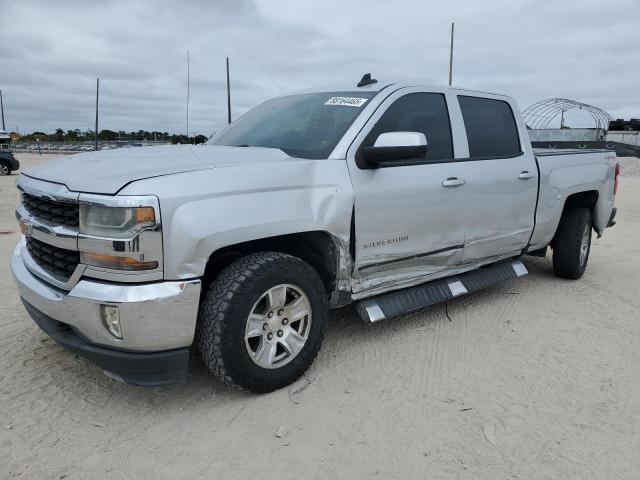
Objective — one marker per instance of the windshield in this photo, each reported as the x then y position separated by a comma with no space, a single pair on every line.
305,126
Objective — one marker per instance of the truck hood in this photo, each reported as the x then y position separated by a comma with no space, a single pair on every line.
108,171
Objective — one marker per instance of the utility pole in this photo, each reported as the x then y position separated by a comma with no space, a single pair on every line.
228,94
97,95
451,56
2,108
188,86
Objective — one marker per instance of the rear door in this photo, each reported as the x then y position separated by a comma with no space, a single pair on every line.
408,224
502,178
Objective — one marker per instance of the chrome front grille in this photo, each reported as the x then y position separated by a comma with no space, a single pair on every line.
51,244
58,262
52,211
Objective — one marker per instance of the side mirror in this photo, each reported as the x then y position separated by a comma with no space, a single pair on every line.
392,146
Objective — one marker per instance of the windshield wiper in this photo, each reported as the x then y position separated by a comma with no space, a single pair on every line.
243,145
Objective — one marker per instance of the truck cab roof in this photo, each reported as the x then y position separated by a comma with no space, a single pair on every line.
395,85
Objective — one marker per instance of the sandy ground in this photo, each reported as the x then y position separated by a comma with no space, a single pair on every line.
534,379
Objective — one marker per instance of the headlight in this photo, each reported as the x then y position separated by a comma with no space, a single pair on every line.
115,222
120,234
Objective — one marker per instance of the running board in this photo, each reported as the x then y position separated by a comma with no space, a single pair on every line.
396,303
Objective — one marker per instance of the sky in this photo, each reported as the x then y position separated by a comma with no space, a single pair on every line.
52,51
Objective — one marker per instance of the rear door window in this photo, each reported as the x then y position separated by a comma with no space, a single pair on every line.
491,127
418,112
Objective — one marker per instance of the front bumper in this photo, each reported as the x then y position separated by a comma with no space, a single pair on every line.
147,369
154,317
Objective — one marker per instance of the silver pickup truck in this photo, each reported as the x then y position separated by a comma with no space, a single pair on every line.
389,195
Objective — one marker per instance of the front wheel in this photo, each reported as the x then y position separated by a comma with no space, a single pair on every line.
572,243
262,321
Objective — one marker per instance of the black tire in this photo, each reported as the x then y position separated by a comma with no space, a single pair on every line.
226,307
5,168
568,242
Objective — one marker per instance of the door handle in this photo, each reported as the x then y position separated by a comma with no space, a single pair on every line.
526,175
453,182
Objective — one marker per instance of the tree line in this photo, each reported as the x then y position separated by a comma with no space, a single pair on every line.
78,135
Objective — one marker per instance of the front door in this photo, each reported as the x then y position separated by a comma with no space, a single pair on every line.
409,217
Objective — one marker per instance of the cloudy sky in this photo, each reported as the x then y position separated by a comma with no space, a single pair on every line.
52,51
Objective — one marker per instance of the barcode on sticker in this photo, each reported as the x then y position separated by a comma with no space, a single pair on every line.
346,101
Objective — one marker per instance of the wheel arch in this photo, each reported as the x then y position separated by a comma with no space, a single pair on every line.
587,198
323,251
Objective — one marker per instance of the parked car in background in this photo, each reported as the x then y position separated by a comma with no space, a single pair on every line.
389,195
8,163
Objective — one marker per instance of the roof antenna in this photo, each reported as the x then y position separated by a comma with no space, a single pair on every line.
366,80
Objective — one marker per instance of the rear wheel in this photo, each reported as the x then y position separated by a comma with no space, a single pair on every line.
262,321
572,243
5,169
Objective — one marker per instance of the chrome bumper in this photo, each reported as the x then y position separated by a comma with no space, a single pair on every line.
154,316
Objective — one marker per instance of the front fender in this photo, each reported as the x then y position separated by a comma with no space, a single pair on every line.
205,211
199,228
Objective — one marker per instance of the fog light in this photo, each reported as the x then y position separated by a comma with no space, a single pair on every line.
111,320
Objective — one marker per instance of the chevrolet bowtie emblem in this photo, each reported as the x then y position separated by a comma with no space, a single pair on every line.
26,228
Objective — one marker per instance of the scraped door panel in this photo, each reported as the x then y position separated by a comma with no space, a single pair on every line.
501,207
502,179
410,216
407,224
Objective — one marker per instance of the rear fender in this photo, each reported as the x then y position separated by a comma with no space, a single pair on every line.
592,184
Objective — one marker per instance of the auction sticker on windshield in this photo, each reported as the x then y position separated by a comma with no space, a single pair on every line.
346,101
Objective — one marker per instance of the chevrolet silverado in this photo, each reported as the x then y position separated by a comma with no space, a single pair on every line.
389,195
